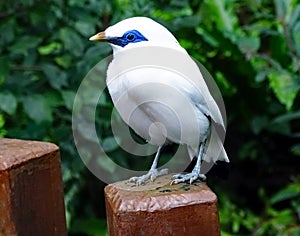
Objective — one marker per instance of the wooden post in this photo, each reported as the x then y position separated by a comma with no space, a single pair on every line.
159,208
31,193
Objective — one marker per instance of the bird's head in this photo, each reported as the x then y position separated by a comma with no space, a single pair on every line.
136,31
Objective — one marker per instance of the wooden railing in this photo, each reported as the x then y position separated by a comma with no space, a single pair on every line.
31,199
31,192
159,208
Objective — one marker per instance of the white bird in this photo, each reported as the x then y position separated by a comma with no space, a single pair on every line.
159,104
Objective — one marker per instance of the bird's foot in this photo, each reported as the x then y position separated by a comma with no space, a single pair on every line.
191,177
152,175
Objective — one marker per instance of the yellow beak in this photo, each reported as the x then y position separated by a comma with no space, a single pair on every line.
98,37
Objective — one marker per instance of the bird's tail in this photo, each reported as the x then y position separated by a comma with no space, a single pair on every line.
214,148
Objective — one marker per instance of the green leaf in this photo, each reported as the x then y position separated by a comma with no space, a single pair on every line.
222,14
64,61
9,28
248,44
4,69
68,97
109,144
37,108
56,77
287,117
53,98
261,76
72,41
49,48
106,164
296,37
294,17
259,123
2,121
84,28
85,128
289,192
2,129
280,9
296,149
8,102
207,37
187,21
283,85
23,44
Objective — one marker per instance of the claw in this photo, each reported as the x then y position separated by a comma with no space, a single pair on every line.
191,177
152,175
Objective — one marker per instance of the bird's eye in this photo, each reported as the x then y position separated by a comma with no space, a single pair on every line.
130,37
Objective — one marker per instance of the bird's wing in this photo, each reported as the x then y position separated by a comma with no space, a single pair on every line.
204,101
199,94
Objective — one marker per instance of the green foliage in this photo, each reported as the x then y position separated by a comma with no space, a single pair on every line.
235,220
251,48
2,123
89,227
275,220
8,102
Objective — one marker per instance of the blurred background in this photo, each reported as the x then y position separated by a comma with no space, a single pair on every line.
251,48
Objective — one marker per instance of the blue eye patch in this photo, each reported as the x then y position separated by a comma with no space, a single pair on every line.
131,36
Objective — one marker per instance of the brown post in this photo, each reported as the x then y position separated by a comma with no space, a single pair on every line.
31,193
159,208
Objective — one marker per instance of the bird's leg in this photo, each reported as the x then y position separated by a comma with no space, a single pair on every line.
195,174
153,173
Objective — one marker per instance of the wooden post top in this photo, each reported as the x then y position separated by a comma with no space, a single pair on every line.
158,208
157,195
14,152
31,190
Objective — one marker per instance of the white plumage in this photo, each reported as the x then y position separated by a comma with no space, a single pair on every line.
167,98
